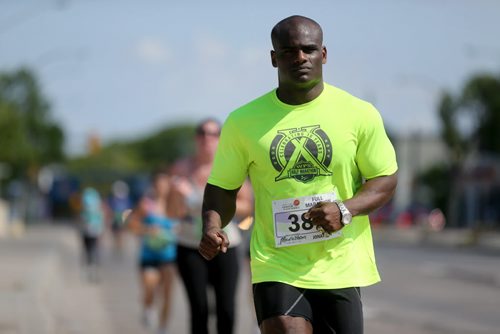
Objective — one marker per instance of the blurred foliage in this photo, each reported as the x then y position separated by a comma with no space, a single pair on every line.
450,134
115,158
481,97
165,146
29,137
438,179
122,159
479,102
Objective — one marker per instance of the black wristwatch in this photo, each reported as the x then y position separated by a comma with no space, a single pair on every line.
345,215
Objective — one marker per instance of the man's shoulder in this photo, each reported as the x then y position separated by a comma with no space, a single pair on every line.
339,93
348,100
255,104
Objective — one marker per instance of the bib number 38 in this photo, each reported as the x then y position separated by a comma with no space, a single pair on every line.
291,227
297,223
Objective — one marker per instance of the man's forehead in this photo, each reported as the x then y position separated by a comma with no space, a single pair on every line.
298,31
299,37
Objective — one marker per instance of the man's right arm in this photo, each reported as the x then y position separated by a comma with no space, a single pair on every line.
219,207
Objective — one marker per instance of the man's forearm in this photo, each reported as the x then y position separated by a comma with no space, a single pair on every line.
373,194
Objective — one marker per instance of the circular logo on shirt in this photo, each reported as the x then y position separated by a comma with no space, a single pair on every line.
301,153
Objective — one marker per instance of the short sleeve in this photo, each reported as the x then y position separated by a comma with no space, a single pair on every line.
375,155
230,167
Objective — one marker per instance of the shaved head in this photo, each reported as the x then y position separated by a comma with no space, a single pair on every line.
283,27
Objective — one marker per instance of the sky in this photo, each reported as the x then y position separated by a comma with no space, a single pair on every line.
123,69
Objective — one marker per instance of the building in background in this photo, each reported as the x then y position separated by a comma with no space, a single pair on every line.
416,153
474,200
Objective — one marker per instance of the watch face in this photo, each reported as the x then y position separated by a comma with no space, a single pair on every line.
346,218
346,215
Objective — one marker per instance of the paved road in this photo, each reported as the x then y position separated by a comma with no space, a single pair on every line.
121,295
431,290
41,290
425,290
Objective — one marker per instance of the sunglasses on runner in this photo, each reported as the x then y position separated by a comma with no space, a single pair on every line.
205,133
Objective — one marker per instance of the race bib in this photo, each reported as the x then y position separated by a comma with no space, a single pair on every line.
290,225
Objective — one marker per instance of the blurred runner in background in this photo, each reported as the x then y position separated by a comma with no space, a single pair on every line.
149,221
92,217
119,201
190,177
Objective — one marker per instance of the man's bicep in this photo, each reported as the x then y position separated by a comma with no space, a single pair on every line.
221,200
216,194
385,182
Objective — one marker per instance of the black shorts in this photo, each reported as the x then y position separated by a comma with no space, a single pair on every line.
336,311
153,264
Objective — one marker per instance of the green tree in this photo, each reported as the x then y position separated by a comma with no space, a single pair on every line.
113,162
166,146
141,156
481,97
449,129
28,135
437,179
470,122
479,102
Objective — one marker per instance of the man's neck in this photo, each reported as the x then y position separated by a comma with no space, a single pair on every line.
296,96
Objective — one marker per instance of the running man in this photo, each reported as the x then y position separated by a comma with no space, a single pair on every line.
319,161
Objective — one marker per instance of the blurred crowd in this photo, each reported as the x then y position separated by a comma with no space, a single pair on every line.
162,211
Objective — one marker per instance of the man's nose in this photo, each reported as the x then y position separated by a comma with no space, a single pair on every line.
301,56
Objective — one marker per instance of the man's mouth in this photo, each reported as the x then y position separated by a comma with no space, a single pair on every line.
302,69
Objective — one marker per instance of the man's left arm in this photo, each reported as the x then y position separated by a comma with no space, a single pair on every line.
373,194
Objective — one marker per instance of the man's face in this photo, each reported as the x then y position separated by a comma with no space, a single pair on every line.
299,55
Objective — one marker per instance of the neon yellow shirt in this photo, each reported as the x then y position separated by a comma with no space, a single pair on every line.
329,144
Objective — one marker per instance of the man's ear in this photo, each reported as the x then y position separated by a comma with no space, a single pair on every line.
324,52
273,58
